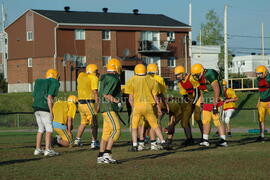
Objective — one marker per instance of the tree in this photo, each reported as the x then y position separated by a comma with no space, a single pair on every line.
212,34
3,84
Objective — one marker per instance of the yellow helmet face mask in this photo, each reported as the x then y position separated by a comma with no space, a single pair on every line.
180,73
72,99
152,69
197,71
140,70
114,65
52,73
91,68
261,71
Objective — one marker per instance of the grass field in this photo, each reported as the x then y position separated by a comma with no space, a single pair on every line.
243,159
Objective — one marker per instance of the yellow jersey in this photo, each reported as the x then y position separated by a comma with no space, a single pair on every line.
229,94
86,84
62,110
161,83
143,89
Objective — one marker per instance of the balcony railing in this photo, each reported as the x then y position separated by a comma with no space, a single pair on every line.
154,46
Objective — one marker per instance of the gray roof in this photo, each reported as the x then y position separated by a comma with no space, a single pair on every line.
79,17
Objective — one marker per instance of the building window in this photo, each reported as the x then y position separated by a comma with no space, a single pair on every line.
81,61
106,35
105,60
243,63
29,62
79,34
170,36
29,36
171,61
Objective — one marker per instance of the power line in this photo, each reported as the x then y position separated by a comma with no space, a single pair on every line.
248,36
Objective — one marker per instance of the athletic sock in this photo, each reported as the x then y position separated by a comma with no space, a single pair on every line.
108,151
135,144
100,154
262,135
205,136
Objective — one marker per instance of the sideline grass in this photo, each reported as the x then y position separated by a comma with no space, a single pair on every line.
243,159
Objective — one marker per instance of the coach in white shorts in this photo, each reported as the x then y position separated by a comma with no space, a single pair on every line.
229,106
44,92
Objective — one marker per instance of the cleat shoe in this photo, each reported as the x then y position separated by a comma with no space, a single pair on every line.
222,143
141,147
94,145
205,143
50,152
108,159
133,149
165,146
155,146
38,152
77,142
229,134
188,142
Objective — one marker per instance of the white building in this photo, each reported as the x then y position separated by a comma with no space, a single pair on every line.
208,56
247,64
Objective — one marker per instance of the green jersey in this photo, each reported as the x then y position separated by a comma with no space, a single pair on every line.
109,85
43,88
264,88
209,76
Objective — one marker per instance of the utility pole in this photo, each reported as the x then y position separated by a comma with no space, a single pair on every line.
3,41
190,33
226,44
263,41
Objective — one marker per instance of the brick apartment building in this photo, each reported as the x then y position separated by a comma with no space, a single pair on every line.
69,40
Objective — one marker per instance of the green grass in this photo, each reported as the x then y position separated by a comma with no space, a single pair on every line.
243,159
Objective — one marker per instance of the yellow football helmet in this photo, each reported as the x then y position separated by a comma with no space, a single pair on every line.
197,69
261,69
52,73
91,68
224,83
114,65
152,69
179,70
140,69
72,99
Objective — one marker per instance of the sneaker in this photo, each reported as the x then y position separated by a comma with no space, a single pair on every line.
141,147
188,142
100,160
77,142
108,159
38,152
222,143
50,152
94,145
229,134
205,143
133,149
155,146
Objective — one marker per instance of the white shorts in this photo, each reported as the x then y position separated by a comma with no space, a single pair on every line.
44,121
226,115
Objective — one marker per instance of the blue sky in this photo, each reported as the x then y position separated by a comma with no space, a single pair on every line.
244,17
